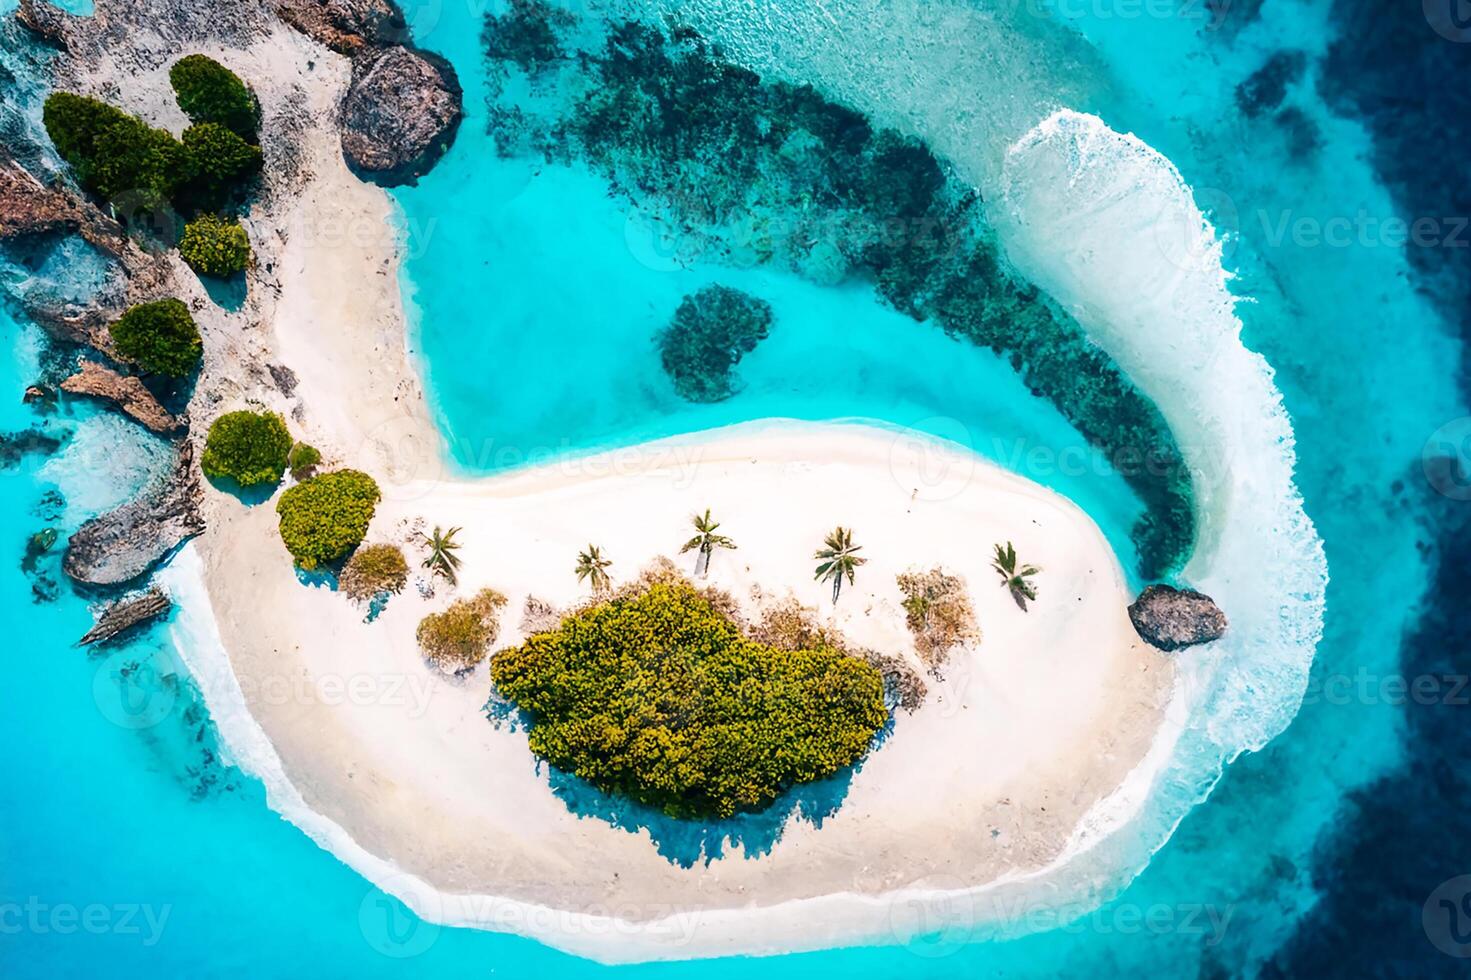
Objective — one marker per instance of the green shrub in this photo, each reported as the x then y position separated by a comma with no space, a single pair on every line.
374,570
324,518
118,157
207,91
457,639
160,337
659,697
712,330
218,165
302,460
214,246
247,447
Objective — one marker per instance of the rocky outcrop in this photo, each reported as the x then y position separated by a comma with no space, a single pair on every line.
45,20
122,544
403,105
1170,618
28,207
346,26
127,393
124,614
400,114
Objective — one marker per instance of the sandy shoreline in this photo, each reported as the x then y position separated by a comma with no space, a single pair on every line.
989,779
397,771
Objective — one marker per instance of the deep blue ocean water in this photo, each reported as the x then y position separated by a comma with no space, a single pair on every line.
128,849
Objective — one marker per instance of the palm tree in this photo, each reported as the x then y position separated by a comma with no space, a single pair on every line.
706,540
442,559
1015,578
838,559
590,567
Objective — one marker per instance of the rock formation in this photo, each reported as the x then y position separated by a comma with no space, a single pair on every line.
346,26
122,544
1170,618
126,613
127,393
400,114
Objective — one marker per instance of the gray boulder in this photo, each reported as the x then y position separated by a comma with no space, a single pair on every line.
122,544
1170,618
126,613
400,114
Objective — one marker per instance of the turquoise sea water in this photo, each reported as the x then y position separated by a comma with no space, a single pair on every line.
535,298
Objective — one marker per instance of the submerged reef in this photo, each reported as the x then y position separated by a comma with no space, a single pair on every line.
764,172
711,331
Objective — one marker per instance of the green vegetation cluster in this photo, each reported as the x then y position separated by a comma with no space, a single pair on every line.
136,169
303,459
323,519
458,639
658,696
208,92
160,337
768,172
215,246
712,330
247,447
374,570
938,612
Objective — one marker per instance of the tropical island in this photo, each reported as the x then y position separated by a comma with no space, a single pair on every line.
733,673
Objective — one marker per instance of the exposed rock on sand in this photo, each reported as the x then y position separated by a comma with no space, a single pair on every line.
122,544
125,614
28,207
346,26
127,393
400,114
1171,618
45,20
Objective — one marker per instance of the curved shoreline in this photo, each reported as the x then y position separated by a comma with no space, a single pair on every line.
855,876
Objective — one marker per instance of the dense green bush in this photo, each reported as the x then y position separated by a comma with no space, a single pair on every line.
373,570
214,246
303,460
219,164
457,639
712,330
324,518
247,447
116,156
160,337
207,91
658,696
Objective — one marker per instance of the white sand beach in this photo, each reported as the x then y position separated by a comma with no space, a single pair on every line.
1030,730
